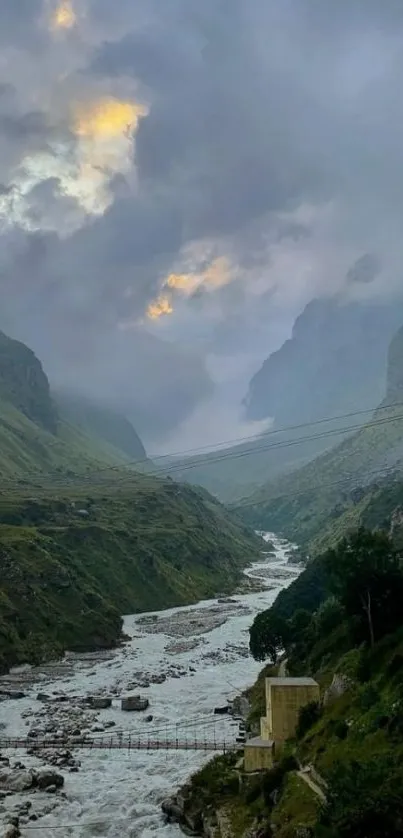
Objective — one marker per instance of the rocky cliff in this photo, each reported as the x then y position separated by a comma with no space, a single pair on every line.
334,362
325,492
394,391
24,384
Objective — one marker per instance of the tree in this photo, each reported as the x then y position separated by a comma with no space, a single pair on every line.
268,636
364,800
365,575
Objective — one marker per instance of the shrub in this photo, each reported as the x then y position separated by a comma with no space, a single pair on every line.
308,716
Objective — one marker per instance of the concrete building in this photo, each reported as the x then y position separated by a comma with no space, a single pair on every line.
284,699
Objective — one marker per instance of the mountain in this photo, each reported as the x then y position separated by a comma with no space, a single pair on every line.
42,435
72,560
102,423
333,363
24,384
81,543
303,503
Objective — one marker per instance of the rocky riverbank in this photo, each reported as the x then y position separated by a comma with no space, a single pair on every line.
196,663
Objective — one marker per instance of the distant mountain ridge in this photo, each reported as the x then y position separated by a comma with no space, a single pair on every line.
40,434
102,422
334,362
302,503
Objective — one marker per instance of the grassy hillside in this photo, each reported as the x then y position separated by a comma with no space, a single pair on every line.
83,539
73,562
28,451
232,473
306,502
302,503
102,424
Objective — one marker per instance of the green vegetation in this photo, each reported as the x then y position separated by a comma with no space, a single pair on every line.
353,645
352,740
72,564
83,539
318,503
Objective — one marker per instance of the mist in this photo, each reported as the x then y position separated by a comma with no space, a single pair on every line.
179,179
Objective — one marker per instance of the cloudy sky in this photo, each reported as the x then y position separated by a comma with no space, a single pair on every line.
178,178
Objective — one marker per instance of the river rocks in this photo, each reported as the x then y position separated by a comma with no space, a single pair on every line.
17,781
99,703
10,830
14,694
47,778
181,646
192,622
20,780
134,703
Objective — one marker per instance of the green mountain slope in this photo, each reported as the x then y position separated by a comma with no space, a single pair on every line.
72,563
231,473
302,503
102,424
82,543
41,436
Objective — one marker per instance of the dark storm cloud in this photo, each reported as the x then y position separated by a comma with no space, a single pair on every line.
20,22
256,110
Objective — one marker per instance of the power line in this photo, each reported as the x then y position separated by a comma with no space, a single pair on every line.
127,477
224,443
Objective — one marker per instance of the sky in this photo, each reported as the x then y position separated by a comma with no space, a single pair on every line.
178,178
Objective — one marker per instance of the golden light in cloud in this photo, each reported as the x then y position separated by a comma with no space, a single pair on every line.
182,282
107,118
216,275
64,16
162,305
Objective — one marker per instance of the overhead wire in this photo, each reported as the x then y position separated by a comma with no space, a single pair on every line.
128,475
228,452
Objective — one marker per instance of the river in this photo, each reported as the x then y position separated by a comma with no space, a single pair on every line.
118,793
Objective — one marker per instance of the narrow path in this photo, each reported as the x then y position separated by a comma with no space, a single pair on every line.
304,775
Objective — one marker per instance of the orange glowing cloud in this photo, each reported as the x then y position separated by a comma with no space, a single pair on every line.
107,118
162,305
64,16
216,275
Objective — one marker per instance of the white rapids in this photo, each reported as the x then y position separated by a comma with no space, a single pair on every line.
118,793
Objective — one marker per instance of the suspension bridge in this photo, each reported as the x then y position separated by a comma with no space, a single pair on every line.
192,735
122,743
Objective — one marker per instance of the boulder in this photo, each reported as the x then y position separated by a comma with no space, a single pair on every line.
47,778
17,781
99,703
9,830
134,702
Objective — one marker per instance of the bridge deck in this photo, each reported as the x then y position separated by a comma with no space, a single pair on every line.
127,743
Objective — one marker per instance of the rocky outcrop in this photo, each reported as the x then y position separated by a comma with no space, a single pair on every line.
20,780
24,384
333,357
340,685
134,703
394,392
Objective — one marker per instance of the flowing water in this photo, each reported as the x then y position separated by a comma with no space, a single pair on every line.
118,793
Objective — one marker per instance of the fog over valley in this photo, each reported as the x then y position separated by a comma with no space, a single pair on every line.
179,180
